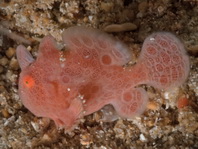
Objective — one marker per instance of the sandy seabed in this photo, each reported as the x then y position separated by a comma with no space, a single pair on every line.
162,126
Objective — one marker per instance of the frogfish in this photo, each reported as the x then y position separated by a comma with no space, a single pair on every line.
91,72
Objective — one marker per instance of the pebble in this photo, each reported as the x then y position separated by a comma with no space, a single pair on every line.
46,138
142,7
153,106
35,126
107,6
3,61
161,10
10,76
14,64
142,138
86,139
24,131
10,52
5,113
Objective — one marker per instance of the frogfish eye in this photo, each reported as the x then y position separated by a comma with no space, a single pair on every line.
28,81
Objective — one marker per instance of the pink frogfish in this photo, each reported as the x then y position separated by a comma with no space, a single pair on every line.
66,85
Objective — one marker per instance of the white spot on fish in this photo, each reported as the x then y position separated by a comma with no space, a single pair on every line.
152,39
62,59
